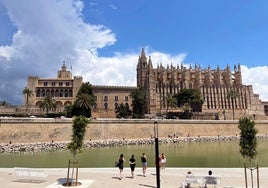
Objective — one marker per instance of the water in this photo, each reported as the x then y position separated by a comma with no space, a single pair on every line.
214,154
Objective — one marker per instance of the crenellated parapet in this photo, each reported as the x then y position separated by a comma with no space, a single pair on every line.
110,87
78,77
33,77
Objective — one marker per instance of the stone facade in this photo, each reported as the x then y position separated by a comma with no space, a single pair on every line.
108,98
63,88
214,86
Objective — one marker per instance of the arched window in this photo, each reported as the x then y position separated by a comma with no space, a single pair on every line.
61,93
52,93
66,93
47,92
43,93
190,85
105,106
38,93
95,106
115,105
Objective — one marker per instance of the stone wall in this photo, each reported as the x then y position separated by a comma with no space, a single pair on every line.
33,130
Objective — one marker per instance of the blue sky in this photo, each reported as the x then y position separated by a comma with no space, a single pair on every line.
101,40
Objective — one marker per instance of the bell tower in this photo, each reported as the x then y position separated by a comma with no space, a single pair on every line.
142,70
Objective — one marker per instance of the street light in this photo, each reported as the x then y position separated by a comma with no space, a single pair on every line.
156,154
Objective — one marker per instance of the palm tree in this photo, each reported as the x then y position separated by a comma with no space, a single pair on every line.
28,94
232,94
85,102
138,103
171,101
48,104
122,111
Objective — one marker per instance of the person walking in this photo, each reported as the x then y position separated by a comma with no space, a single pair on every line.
162,160
144,163
132,164
121,161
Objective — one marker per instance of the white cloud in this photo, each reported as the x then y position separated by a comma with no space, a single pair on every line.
49,32
257,77
119,69
5,52
167,59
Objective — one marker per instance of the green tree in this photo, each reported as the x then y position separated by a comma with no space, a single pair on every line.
77,141
232,94
79,130
28,94
83,104
190,97
68,111
248,143
248,139
4,103
85,100
85,88
138,103
47,104
171,102
122,111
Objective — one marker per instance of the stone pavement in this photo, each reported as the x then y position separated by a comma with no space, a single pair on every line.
108,177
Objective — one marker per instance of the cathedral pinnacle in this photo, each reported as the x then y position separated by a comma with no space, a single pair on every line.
142,53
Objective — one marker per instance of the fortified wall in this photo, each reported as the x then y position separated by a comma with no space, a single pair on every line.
33,130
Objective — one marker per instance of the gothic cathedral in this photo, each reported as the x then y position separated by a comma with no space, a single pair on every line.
214,86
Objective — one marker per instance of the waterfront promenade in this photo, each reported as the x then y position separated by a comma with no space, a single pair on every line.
108,177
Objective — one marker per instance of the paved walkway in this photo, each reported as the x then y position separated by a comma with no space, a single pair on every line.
108,177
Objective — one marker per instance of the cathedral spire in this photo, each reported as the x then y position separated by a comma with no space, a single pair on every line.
239,68
150,64
142,53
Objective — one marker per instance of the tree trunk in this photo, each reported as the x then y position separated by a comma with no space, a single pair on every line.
251,173
233,107
258,182
246,180
69,181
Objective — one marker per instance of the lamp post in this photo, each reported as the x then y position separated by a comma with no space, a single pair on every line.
157,154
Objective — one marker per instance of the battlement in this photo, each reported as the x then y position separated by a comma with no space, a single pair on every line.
113,87
33,77
196,68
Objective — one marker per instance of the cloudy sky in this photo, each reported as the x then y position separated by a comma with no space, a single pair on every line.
101,40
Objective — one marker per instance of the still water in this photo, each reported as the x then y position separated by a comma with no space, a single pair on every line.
213,154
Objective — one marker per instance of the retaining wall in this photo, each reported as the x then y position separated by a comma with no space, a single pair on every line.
33,130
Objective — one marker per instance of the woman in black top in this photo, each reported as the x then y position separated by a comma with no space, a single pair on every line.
144,164
121,161
132,163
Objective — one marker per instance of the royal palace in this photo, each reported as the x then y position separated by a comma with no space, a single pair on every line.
159,82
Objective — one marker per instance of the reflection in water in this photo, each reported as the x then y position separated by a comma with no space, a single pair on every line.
205,154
